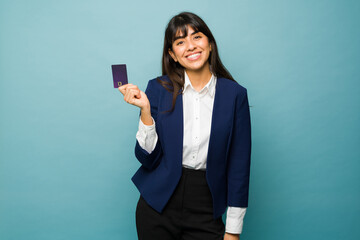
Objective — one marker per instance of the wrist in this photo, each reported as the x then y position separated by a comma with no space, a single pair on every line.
146,116
145,109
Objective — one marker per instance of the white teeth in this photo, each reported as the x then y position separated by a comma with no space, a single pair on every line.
193,56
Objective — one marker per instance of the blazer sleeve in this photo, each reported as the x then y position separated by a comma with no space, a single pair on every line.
150,161
238,168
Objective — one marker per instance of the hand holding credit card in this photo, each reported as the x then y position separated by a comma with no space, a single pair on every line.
132,94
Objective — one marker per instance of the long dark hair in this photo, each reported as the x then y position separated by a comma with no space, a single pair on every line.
173,69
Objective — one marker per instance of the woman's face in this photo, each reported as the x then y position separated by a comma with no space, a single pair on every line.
191,51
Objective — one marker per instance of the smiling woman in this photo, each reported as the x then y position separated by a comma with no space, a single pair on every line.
191,51
187,34
193,142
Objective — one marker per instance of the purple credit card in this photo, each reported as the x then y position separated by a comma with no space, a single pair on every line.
119,75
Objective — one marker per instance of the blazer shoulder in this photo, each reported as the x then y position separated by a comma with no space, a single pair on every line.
233,86
154,83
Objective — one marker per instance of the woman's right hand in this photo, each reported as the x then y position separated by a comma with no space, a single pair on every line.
133,95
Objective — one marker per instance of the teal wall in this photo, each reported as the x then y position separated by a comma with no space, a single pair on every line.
67,137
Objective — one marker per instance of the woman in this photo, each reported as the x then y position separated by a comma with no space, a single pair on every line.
193,142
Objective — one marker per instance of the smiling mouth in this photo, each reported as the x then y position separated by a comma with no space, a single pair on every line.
194,56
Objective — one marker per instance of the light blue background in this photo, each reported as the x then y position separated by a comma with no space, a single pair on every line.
67,137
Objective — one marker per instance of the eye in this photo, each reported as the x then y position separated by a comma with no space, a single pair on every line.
197,37
179,42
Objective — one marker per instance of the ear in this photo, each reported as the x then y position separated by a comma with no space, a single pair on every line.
172,55
210,47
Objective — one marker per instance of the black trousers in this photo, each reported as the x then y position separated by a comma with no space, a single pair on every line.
187,216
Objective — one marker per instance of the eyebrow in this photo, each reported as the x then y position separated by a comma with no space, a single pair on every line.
176,38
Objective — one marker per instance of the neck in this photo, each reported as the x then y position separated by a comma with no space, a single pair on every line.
199,78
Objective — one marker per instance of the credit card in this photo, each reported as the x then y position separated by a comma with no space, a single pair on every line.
119,75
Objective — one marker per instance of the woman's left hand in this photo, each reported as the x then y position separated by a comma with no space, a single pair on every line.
230,236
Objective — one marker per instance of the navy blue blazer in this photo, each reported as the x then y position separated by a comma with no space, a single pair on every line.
228,160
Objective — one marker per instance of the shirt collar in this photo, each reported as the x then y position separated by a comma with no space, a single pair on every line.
210,86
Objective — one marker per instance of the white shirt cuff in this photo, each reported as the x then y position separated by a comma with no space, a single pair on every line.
147,136
235,220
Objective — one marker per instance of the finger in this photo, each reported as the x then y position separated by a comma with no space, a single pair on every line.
124,88
137,93
134,91
134,94
132,87
126,96
130,96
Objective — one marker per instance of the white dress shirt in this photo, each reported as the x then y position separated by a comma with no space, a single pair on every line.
197,112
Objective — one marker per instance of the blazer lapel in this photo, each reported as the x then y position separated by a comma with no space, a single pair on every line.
214,121
173,126
220,124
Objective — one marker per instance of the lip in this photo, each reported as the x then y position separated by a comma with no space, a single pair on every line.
192,54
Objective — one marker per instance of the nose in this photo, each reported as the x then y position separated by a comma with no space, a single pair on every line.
191,46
